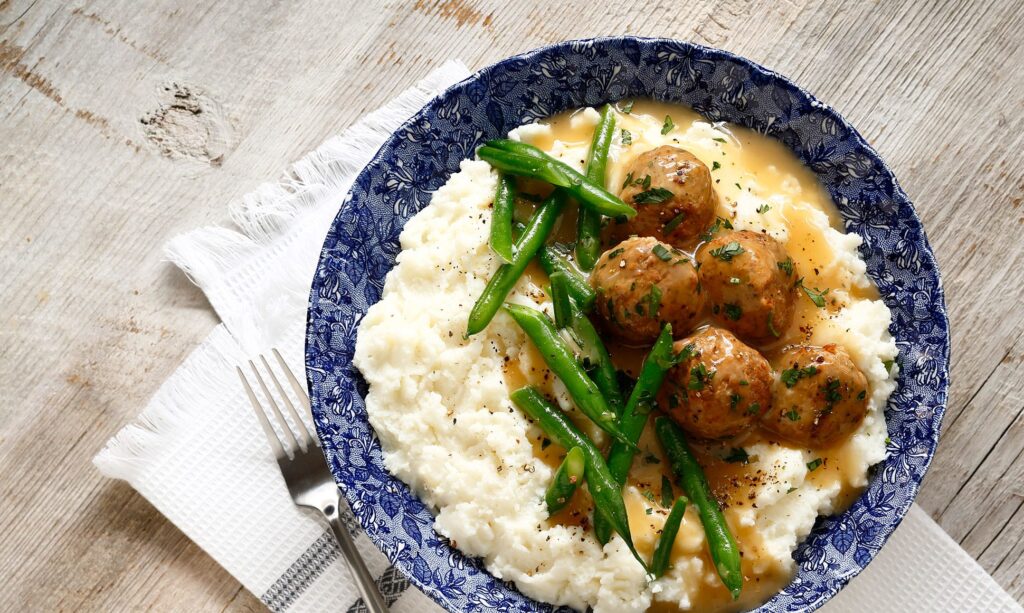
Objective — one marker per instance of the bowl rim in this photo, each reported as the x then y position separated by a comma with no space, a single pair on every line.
912,487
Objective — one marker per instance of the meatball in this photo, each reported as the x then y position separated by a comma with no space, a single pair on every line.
819,397
749,282
672,193
642,283
720,387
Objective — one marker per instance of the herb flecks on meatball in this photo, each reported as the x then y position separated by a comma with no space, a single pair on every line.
642,283
819,398
672,192
749,282
720,388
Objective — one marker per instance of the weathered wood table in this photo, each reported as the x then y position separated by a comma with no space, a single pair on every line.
123,123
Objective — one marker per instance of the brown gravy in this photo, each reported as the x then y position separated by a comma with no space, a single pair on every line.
733,483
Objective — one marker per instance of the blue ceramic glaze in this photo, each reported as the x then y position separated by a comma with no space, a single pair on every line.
420,156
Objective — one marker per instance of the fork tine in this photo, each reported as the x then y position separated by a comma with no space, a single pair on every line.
293,444
300,390
300,426
268,430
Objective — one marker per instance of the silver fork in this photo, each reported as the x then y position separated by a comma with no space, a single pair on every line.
305,471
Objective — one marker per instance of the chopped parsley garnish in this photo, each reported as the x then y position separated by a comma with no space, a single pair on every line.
684,354
816,295
737,455
832,395
627,138
610,305
544,443
764,208
667,494
644,183
615,253
652,196
733,311
719,140
715,165
888,365
790,376
744,382
649,511
720,222
668,125
654,300
862,395
737,186
754,408
787,266
628,107
650,458
771,324
663,254
793,415
649,496
814,464
727,252
674,223
734,281
699,377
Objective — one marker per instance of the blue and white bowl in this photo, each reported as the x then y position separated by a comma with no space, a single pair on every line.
420,156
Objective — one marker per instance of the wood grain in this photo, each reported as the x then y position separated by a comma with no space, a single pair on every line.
125,123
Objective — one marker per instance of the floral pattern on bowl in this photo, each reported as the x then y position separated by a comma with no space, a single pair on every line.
420,156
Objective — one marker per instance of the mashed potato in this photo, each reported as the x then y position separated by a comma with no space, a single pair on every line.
440,403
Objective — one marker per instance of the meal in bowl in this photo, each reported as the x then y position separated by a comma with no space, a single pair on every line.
628,358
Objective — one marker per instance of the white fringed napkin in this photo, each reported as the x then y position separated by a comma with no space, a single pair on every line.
198,455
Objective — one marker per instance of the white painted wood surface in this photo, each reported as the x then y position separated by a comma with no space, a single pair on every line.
123,123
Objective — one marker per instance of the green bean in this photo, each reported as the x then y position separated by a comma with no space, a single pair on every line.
722,545
552,261
563,363
588,224
561,300
634,416
501,218
533,237
528,161
603,488
602,369
663,550
567,478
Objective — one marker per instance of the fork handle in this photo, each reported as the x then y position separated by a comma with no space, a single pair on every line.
368,589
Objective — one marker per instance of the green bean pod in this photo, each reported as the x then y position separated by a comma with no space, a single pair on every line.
604,490
595,355
634,416
528,161
501,218
552,261
588,224
562,362
663,550
533,237
721,544
567,478
561,300
602,368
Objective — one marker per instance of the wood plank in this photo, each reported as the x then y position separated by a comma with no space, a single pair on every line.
124,123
